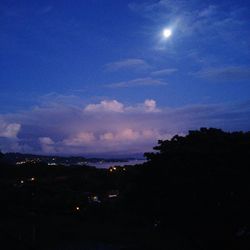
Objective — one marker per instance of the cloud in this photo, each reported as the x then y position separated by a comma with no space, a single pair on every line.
9,135
148,81
190,18
9,130
127,64
47,145
112,127
80,139
127,134
164,72
46,141
105,106
150,106
227,73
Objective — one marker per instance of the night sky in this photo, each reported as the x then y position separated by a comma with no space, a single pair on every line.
98,77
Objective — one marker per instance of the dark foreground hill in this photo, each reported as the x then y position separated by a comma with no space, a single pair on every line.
193,193
198,186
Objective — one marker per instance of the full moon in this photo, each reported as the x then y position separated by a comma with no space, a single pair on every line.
167,33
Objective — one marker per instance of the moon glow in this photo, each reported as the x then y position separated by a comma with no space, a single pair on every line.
167,33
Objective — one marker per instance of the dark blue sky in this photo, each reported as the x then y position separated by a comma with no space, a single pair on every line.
77,74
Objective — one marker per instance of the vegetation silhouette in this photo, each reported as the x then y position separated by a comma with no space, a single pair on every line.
198,186
192,193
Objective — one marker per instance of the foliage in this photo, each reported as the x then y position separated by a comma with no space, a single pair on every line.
205,140
193,193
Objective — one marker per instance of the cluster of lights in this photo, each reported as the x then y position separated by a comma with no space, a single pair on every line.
52,164
112,195
28,161
30,179
20,162
113,169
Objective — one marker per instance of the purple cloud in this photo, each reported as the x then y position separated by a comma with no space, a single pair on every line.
110,126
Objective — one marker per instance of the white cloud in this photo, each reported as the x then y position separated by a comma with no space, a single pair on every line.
150,106
114,106
105,106
9,130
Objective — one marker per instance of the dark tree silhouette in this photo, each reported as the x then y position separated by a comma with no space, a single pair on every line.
206,141
192,193
200,185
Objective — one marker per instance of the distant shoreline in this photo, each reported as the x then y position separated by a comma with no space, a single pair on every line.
22,159
117,163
